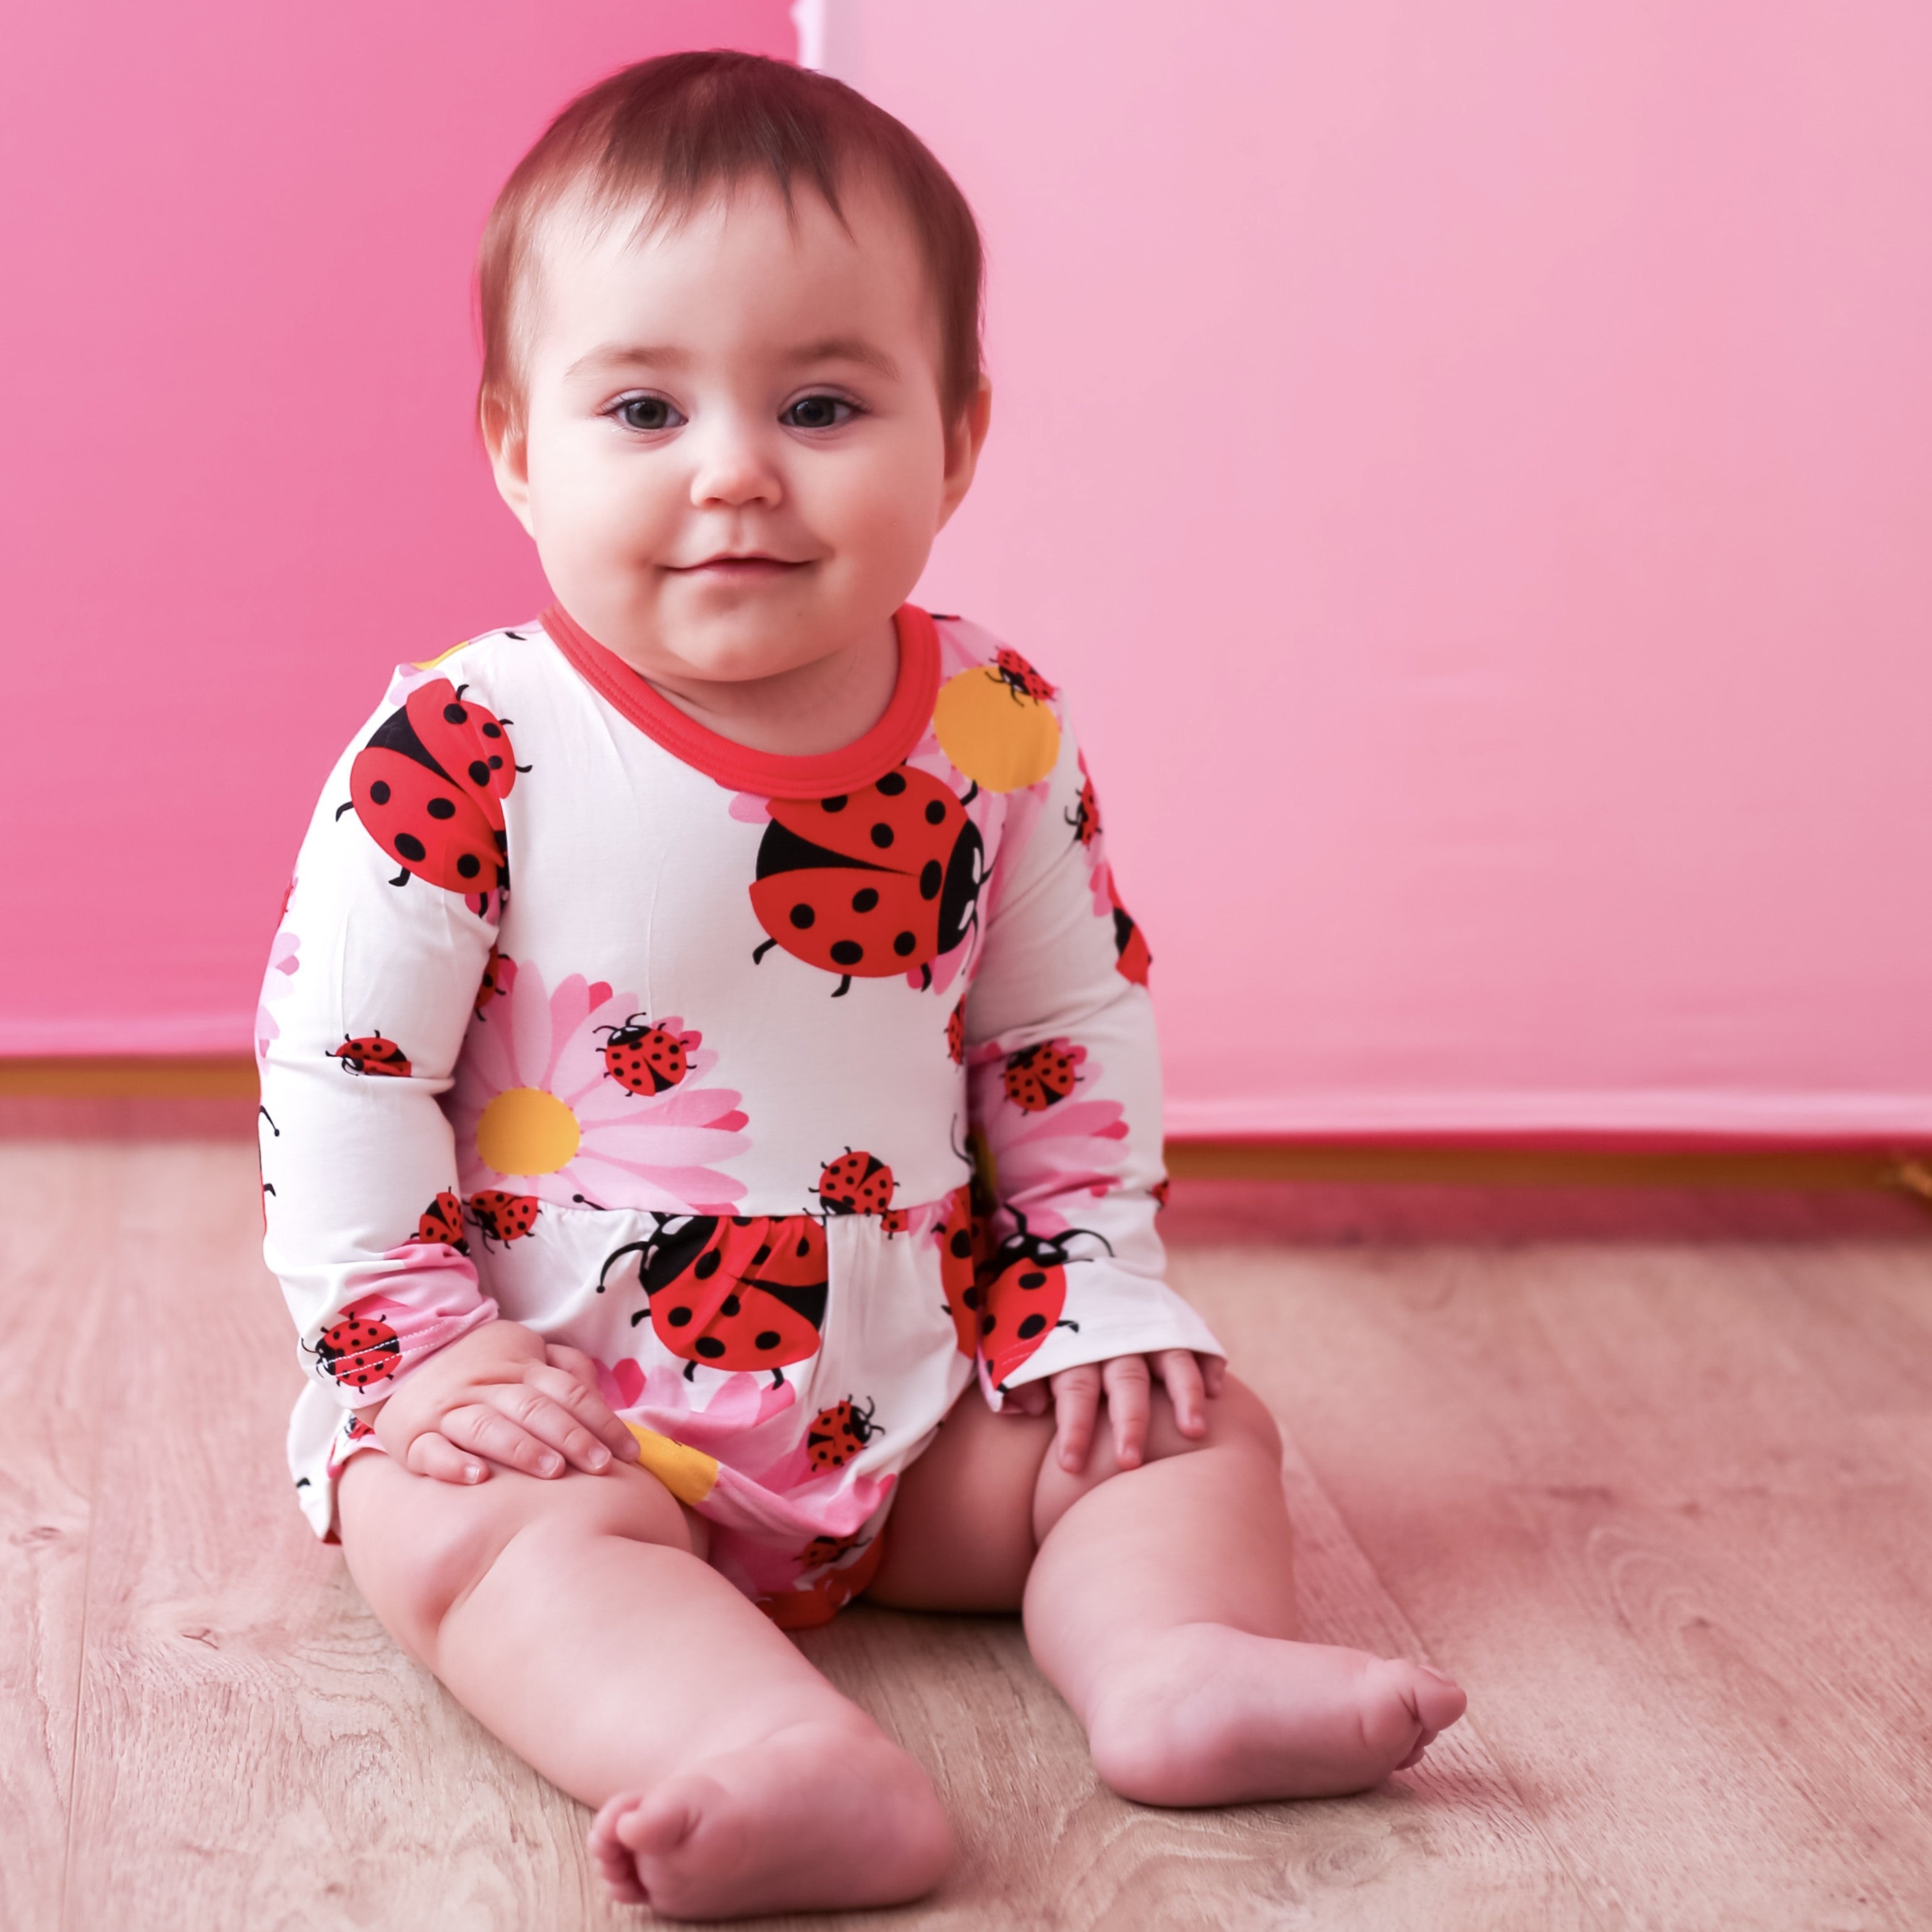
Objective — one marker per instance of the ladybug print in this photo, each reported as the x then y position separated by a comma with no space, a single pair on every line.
357,1430
1040,1077
823,1549
1020,678
870,883
442,1221
644,1058
499,1216
958,1276
856,1184
1025,1295
1131,956
491,983
371,1053
955,1034
1159,1191
1085,817
358,1352
838,1434
429,788
895,1221
748,1293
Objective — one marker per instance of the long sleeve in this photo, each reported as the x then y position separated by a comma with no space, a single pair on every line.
1064,1078
387,941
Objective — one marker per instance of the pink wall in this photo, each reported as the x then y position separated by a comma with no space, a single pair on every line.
1473,466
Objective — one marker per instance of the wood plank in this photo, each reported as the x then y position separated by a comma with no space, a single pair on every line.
1684,1584
52,1407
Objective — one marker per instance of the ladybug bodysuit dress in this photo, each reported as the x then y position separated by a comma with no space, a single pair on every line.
792,1090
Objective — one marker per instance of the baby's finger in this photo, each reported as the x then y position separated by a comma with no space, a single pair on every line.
1128,1398
485,1430
1076,1401
436,1457
1181,1375
538,1413
1214,1373
589,1408
1032,1399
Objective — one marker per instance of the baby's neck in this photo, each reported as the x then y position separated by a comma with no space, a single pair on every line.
814,708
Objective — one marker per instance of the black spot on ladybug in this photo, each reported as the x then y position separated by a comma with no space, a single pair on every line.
882,835
467,865
441,808
905,944
380,792
730,1305
679,1318
961,1244
848,952
892,784
455,714
479,771
1032,1279
802,916
708,1346
935,813
1031,1326
833,804
706,1265
930,878
766,1338
411,847
865,899
494,730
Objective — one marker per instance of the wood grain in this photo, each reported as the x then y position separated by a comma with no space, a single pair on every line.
1665,1508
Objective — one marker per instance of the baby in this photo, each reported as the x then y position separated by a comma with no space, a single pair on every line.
706,1037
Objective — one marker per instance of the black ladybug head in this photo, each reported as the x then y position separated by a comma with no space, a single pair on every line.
1044,1250
632,1032
960,893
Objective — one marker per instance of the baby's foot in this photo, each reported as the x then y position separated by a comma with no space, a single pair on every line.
1206,1714
820,1817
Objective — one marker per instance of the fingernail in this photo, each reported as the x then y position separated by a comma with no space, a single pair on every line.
550,1465
600,1457
473,1472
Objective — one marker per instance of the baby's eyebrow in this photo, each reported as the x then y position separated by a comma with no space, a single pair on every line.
624,354
847,349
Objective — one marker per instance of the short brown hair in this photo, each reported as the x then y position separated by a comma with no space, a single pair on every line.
665,135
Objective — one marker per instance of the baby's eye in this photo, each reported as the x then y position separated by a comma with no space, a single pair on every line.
647,413
818,412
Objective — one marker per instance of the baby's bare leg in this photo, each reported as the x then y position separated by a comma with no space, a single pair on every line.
576,1620
1161,1604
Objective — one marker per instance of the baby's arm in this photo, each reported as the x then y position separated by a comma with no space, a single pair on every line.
1064,1076
376,974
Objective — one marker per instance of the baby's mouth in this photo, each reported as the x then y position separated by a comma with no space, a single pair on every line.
738,569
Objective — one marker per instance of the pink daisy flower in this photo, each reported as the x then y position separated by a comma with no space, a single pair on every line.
536,1111
283,965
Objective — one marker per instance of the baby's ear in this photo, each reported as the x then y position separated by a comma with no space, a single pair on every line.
503,437
964,442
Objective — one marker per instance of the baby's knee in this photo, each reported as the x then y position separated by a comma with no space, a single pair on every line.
1236,1419
418,1548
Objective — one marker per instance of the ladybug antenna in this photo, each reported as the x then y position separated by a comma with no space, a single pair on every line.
972,792
270,1118
402,878
460,689
638,1248
759,951
844,981
349,806
521,768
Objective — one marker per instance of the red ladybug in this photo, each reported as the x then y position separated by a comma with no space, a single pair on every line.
856,1183
499,1216
490,984
358,1430
1131,956
957,1280
838,1434
1025,1295
872,882
1020,678
645,1058
1085,817
748,1293
358,1351
442,1221
429,788
955,1034
371,1053
823,1549
1042,1076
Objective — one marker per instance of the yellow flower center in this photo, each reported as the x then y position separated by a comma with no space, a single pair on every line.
995,734
525,1130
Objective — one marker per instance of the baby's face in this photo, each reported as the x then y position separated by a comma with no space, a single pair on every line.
736,458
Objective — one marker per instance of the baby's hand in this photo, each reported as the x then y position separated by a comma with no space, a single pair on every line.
501,1395
1126,1381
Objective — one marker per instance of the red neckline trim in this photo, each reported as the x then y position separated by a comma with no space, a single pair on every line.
767,774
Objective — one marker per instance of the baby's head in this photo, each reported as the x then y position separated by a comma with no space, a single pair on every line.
731,380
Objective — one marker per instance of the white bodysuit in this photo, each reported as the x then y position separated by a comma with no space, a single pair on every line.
687,1056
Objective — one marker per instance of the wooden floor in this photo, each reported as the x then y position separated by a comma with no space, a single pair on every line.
1663,1505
